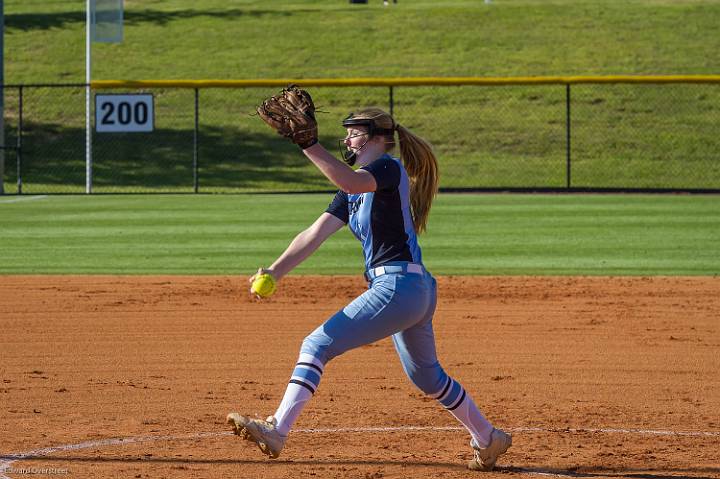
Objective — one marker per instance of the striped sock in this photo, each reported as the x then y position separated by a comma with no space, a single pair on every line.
454,398
301,387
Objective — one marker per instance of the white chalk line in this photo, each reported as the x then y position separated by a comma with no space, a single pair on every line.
8,459
650,432
23,198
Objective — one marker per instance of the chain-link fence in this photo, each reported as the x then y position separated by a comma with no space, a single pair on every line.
538,136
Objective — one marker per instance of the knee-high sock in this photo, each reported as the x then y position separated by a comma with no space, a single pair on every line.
454,398
301,387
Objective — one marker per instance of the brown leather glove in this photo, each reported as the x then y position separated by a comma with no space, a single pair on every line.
292,115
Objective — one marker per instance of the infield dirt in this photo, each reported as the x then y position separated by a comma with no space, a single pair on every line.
595,377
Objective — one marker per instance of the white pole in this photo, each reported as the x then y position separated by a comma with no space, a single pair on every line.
88,133
2,99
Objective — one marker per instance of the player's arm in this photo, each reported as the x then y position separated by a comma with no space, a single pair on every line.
344,177
305,244
292,115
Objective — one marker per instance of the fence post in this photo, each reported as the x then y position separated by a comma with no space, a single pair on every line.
18,151
195,141
391,101
567,132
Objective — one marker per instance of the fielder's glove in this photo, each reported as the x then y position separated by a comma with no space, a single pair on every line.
292,115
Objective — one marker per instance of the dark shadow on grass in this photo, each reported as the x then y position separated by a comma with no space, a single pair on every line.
228,158
46,21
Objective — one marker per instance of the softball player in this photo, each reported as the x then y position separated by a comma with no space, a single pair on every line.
385,203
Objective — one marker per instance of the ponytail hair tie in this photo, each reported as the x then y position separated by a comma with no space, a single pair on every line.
397,127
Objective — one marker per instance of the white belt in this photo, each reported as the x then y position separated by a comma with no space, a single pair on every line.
409,268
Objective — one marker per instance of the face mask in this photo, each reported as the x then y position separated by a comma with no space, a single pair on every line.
350,156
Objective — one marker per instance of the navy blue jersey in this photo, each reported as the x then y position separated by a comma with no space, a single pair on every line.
381,219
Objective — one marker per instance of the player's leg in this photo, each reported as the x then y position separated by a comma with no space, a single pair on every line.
270,434
393,303
376,314
301,387
416,348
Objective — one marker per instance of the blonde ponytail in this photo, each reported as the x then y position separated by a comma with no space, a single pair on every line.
422,168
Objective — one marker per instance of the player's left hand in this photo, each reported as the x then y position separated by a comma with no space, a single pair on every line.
292,115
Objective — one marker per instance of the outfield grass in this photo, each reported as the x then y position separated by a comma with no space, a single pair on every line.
321,38
623,136
468,234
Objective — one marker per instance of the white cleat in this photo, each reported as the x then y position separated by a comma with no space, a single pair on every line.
262,433
485,458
